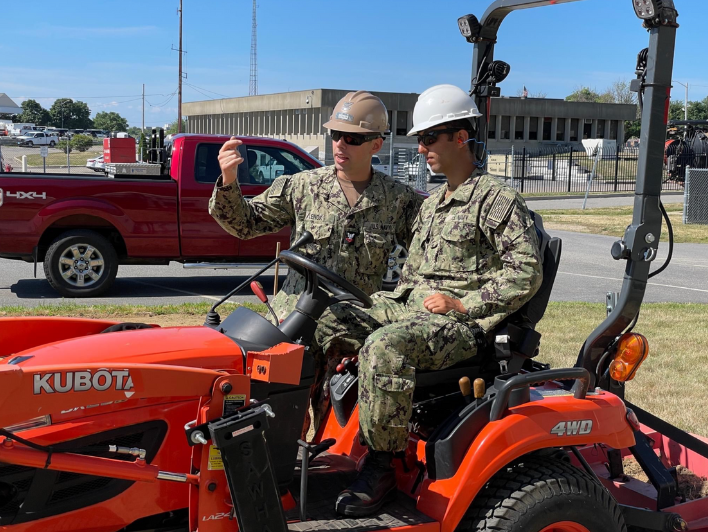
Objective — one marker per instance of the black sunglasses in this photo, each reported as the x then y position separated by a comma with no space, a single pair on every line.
431,137
353,139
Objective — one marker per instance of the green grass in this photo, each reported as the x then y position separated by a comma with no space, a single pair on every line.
112,311
59,159
670,383
612,221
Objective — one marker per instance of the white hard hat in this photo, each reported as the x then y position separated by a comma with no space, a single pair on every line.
440,104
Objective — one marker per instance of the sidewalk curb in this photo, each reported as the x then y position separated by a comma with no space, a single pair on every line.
591,196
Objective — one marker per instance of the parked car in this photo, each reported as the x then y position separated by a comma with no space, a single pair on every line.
37,138
410,169
96,164
385,168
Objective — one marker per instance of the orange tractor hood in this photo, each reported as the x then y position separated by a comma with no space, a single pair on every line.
197,347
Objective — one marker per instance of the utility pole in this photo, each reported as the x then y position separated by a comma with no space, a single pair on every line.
253,82
179,86
142,130
685,101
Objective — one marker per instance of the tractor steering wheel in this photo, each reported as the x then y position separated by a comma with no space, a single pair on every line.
342,289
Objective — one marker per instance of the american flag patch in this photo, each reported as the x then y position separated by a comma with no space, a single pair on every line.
276,190
500,210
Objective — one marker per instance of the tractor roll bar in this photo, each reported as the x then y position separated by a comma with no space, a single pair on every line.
640,243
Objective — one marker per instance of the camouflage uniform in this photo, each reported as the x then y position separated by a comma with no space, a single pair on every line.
352,241
479,246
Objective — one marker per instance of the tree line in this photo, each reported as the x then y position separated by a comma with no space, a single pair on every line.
69,114
618,92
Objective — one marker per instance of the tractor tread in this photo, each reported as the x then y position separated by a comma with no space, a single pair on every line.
516,493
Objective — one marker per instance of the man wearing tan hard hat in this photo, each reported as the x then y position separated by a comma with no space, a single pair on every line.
356,214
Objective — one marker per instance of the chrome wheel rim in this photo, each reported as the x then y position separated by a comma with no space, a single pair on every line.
81,265
395,263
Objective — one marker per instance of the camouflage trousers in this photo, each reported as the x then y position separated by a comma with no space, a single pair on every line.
395,339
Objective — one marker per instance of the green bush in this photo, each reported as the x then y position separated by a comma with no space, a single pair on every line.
81,142
62,145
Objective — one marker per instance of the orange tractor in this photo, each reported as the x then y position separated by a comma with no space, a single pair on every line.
133,427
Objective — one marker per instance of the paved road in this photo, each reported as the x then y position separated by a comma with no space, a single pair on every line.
594,202
586,273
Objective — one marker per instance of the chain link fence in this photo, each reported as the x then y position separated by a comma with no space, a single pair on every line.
695,204
567,169
29,159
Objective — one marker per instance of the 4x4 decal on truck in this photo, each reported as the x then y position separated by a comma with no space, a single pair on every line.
572,428
27,195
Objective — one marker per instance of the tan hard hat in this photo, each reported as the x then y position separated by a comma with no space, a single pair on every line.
359,112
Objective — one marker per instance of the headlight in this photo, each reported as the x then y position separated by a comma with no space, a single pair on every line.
34,423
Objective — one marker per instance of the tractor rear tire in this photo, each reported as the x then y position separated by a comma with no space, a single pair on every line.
538,494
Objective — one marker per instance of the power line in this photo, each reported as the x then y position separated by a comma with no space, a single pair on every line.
85,97
202,88
163,103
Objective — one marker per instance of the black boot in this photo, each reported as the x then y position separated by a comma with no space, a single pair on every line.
374,486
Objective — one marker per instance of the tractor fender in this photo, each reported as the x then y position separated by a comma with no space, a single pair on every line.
553,421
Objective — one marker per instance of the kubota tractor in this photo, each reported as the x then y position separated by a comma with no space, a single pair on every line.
134,427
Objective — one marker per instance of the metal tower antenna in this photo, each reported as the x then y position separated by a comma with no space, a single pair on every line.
253,84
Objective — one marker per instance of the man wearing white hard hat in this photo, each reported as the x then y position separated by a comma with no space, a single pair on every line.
474,259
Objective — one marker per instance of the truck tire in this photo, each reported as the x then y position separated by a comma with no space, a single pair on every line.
80,263
539,494
51,143
30,143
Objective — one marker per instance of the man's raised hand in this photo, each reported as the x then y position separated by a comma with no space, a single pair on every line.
229,159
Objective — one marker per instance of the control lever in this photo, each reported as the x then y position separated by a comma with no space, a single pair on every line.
479,390
348,365
466,389
257,289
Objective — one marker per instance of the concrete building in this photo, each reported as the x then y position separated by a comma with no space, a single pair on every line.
294,116
298,117
537,122
7,106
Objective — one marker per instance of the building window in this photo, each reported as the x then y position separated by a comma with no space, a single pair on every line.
547,123
492,130
587,128
402,123
600,129
613,129
505,127
573,129
519,128
560,129
533,128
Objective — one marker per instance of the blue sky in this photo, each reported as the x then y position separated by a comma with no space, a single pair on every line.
102,51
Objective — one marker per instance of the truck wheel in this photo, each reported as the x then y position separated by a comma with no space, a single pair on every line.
396,260
51,144
537,494
81,263
30,143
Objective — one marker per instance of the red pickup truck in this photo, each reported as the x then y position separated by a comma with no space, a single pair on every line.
82,228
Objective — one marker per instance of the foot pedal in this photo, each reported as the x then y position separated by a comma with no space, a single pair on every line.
310,452
249,470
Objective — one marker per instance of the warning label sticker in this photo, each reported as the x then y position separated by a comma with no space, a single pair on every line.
233,402
215,462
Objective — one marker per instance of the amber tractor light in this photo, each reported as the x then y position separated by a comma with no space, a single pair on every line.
632,349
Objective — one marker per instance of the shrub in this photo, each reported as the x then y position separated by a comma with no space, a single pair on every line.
81,142
63,144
